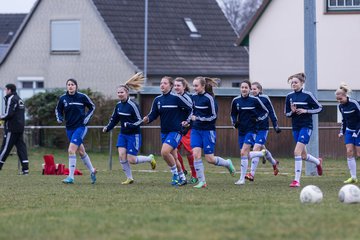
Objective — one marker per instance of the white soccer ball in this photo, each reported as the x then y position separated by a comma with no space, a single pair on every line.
311,194
349,193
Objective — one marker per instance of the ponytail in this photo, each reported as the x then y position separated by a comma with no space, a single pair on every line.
134,83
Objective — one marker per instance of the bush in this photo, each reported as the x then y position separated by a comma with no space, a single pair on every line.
41,112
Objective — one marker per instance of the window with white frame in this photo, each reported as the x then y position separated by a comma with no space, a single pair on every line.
28,86
194,33
343,5
65,36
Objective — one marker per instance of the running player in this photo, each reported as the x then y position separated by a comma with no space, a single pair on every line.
129,139
73,105
262,130
203,134
246,112
350,128
171,108
181,87
300,105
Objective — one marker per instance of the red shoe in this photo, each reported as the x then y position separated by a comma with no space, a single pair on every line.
294,184
319,167
249,177
275,167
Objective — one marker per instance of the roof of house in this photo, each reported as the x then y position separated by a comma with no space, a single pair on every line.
9,24
243,39
171,49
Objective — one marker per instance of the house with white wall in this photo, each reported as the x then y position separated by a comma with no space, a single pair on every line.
275,37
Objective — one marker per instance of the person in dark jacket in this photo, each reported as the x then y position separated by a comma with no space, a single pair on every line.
203,133
246,113
127,112
262,130
350,128
73,105
14,123
181,87
170,107
300,105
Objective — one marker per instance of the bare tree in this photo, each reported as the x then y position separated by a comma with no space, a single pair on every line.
239,12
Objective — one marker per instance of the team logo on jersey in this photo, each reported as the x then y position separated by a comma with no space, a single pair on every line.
237,106
21,104
158,105
65,103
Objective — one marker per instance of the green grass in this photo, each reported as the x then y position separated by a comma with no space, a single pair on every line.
41,207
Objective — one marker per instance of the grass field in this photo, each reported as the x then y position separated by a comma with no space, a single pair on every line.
41,207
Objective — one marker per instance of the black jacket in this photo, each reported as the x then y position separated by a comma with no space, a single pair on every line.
14,114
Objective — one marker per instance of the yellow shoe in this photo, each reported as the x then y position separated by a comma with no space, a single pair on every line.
351,180
152,162
128,181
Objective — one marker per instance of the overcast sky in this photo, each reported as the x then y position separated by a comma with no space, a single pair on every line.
16,6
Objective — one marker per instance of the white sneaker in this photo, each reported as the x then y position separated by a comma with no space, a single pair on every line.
240,182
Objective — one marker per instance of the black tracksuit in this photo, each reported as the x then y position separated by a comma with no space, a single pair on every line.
14,124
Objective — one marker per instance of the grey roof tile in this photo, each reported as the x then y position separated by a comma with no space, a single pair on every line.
9,23
171,50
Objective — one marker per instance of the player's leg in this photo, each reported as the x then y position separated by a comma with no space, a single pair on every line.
180,158
133,144
244,153
298,153
350,155
197,145
305,135
254,160
7,144
352,145
170,142
185,141
209,138
22,153
125,159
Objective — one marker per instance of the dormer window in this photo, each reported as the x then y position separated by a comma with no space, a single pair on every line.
193,30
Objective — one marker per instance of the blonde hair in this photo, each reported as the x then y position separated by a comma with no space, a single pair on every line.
300,76
134,83
184,83
208,83
344,89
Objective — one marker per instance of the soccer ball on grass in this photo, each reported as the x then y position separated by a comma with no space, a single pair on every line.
349,193
311,194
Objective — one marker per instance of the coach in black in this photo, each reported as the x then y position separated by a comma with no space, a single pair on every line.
14,122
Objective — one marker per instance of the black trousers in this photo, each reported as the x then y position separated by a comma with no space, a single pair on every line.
9,141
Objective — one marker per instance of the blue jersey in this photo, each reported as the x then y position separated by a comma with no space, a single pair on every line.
264,124
205,111
247,112
171,108
305,100
188,98
350,112
128,114
73,106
